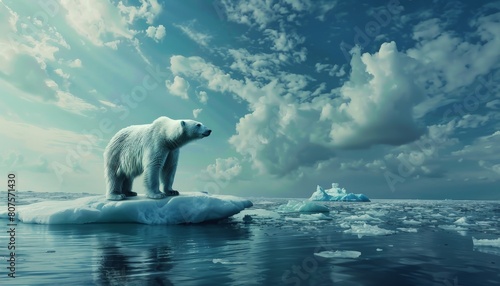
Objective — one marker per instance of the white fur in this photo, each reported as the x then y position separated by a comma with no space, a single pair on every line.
152,149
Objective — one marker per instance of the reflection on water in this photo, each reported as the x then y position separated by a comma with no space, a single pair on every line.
262,252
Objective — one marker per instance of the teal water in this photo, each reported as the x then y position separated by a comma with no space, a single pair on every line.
269,249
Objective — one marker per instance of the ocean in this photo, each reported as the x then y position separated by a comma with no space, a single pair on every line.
383,242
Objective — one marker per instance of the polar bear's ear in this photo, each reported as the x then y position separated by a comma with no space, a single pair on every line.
183,123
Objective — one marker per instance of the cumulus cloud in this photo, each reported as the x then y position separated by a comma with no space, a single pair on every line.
224,169
148,10
156,33
77,63
374,107
378,101
179,87
197,112
60,73
203,97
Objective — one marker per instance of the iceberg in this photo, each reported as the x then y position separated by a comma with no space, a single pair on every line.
337,194
188,207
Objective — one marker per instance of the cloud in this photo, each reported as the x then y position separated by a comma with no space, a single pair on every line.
324,8
379,98
98,21
24,36
25,74
60,73
270,134
179,87
252,13
473,121
283,41
224,169
260,65
449,57
198,37
333,70
77,63
40,140
71,103
156,33
197,112
149,10
113,44
203,97
483,148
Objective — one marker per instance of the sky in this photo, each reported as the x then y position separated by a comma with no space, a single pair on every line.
393,99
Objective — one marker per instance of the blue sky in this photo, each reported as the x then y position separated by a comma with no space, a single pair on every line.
394,99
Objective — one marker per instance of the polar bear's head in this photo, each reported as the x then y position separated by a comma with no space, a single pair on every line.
194,129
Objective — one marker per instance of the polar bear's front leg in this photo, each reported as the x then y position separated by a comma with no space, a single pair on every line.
168,173
151,177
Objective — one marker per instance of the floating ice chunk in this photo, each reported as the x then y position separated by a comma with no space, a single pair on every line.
452,227
223,261
185,208
379,249
363,217
486,242
337,194
339,254
309,217
461,221
412,222
302,206
368,230
407,229
257,214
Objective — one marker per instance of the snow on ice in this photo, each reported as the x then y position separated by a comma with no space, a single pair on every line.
337,194
188,207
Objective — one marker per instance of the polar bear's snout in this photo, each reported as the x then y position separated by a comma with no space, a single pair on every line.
207,133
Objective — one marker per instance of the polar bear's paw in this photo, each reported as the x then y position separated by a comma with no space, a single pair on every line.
171,193
156,196
115,197
130,194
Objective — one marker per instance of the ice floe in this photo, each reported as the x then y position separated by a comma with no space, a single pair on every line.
302,206
486,242
188,207
339,254
368,230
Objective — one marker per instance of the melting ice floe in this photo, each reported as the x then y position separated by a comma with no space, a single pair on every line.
339,254
491,246
486,242
302,206
185,208
368,230
224,261
337,194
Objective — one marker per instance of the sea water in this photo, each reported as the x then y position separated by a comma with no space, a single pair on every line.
384,242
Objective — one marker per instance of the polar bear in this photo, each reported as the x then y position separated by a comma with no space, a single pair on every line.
152,149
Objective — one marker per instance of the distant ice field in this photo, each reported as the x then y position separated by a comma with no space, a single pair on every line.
279,241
